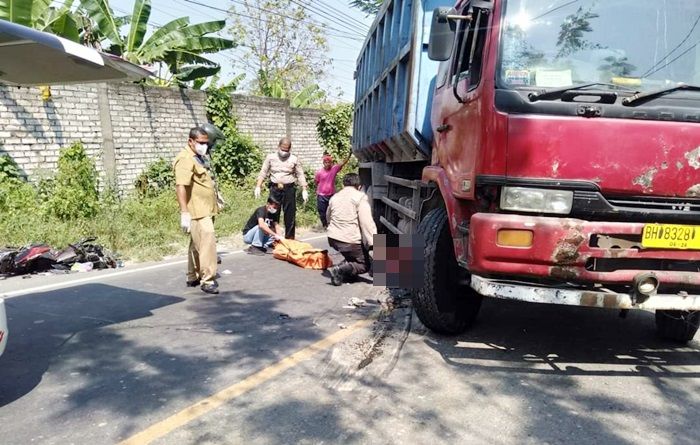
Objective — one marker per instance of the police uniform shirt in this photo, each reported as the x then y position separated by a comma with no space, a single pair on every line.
281,171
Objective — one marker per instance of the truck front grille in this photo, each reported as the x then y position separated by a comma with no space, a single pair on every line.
592,205
615,264
655,204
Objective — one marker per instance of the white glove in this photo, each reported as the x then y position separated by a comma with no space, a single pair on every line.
257,192
185,221
305,195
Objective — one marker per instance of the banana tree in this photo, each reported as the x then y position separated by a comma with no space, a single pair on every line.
177,45
39,14
309,95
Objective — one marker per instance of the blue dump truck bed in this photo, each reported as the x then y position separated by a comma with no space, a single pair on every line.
394,84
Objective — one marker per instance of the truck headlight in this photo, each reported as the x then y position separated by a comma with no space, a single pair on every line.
534,200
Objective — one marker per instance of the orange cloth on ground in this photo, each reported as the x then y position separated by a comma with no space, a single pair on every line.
302,254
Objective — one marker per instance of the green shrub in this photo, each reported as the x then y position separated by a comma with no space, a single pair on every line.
156,178
74,192
334,130
17,197
236,156
8,168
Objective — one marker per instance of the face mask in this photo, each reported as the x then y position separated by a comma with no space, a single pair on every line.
283,154
271,211
201,149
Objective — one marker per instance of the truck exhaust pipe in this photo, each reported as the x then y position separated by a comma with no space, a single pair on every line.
644,286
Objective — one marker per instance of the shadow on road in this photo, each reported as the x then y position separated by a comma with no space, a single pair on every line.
561,340
575,367
41,324
107,352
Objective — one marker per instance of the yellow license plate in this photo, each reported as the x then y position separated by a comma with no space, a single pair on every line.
671,236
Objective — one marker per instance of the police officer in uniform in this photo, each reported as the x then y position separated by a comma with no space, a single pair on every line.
284,170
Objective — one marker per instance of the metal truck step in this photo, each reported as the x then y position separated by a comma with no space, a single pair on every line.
399,208
412,184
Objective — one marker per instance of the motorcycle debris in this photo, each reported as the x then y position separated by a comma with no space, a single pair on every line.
355,302
82,267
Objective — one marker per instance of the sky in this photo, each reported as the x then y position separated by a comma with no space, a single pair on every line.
345,34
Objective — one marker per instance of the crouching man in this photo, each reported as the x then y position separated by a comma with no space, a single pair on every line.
261,229
351,230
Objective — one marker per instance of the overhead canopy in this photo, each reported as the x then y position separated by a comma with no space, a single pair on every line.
31,57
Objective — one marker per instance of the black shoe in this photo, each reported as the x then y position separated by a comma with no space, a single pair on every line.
218,259
211,288
336,277
193,283
255,250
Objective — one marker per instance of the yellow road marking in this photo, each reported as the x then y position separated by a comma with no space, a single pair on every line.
166,426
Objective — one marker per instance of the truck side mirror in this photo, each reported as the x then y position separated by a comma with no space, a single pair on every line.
442,35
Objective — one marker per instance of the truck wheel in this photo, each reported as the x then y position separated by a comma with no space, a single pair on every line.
679,326
442,304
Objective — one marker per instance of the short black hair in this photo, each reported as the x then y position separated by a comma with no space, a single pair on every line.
273,200
197,131
351,180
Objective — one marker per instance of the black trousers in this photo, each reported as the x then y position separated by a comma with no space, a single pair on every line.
287,196
322,206
356,258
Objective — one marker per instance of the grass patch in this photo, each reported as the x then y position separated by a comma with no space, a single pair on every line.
136,228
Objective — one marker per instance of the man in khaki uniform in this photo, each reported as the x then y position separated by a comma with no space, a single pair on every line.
284,170
351,230
196,195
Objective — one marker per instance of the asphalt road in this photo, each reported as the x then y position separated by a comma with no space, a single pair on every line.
280,357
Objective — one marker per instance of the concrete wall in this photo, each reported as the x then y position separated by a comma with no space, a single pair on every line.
124,127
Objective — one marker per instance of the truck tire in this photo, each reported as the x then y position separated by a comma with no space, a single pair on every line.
679,326
440,281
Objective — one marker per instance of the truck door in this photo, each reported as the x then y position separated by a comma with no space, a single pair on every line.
459,102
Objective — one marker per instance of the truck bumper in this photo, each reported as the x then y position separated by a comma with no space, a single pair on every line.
567,250
577,297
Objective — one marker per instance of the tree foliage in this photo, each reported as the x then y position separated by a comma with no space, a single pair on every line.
309,95
284,47
178,45
572,35
39,14
334,130
370,7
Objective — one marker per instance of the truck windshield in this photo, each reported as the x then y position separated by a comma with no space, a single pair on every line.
641,44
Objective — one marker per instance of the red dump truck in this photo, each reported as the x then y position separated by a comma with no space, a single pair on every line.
546,151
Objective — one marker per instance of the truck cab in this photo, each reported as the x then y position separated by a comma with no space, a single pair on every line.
564,158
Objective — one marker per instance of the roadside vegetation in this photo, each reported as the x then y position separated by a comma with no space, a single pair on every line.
143,225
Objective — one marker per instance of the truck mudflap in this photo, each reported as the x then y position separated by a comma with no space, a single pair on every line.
581,297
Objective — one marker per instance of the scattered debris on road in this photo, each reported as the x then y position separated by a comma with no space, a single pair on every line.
82,256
